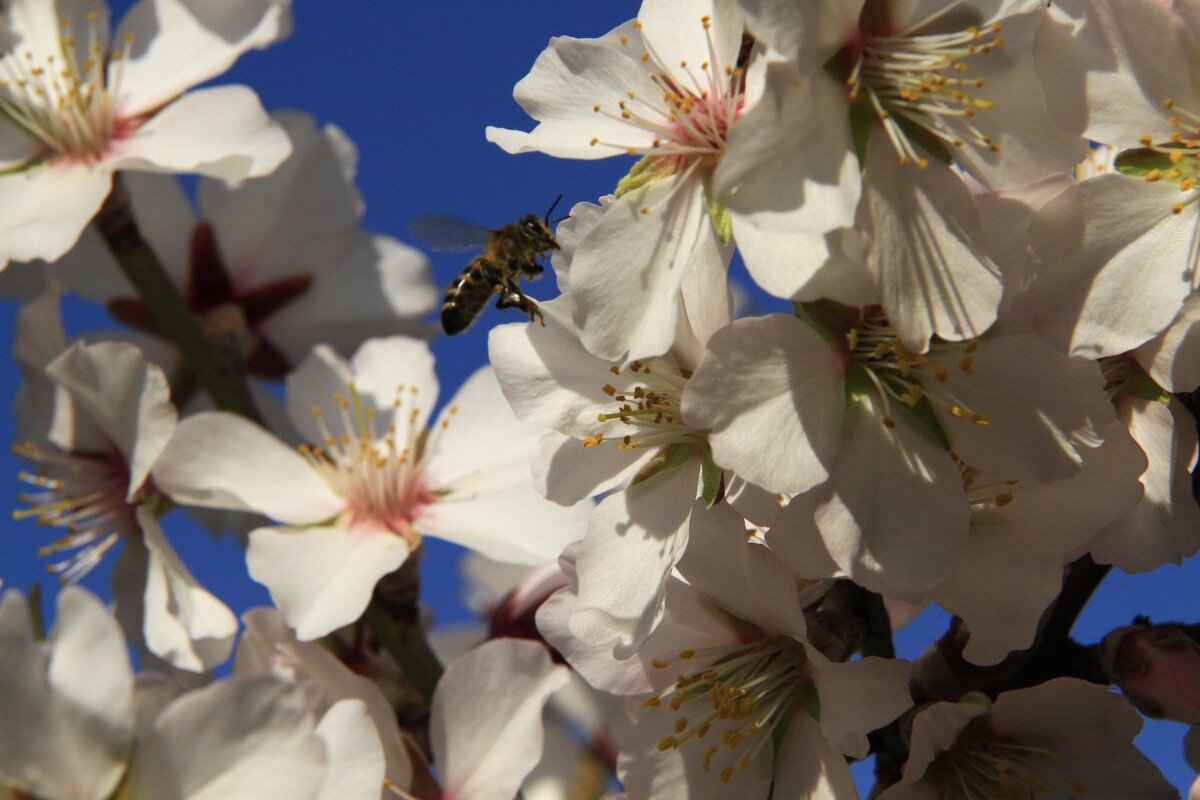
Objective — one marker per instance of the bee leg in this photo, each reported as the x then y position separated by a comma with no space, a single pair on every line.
515,298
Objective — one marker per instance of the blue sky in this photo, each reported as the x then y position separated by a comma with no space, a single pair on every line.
414,85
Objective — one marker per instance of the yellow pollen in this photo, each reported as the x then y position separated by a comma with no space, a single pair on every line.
666,743
659,663
981,420
1177,208
1175,156
686,654
681,725
592,441
624,39
957,412
1146,141
645,209
726,774
652,702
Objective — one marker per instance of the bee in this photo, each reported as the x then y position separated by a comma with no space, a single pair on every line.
508,254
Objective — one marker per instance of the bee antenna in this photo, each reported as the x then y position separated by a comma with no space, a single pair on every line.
551,211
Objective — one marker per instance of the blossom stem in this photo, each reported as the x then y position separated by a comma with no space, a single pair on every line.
407,645
222,378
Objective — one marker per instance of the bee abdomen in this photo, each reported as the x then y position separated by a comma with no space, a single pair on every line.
466,297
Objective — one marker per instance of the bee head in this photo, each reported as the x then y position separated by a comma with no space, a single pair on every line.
537,233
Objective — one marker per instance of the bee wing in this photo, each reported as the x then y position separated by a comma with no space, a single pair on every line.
449,234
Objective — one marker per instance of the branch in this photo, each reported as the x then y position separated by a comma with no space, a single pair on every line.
222,378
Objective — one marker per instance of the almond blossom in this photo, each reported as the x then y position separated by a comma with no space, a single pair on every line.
75,726
80,104
883,460
98,418
922,86
273,266
727,671
668,86
356,503
1063,738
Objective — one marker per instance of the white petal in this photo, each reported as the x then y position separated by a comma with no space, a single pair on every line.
935,730
790,164
222,132
178,44
924,250
1089,721
379,287
268,645
221,460
566,473
770,390
185,624
486,726
548,376
808,767
477,444
743,578
379,366
799,265
567,81
807,33
627,273
239,739
353,752
634,539
1095,240
43,210
1165,526
322,578
675,31
300,218
1173,358
128,398
894,512
67,706
1038,424
512,525
859,696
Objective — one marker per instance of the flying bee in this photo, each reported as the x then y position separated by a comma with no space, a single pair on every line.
509,253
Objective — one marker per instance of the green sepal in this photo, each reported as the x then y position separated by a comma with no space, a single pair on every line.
831,319
924,420
1143,386
669,457
810,701
862,122
647,170
721,218
926,140
857,384
712,479
37,619
1141,161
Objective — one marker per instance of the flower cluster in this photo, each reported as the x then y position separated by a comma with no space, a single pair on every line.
693,529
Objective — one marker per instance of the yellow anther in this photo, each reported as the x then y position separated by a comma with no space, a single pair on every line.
681,725
1004,498
592,441
981,420
957,412
666,743
658,663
